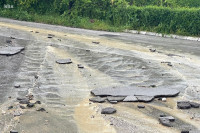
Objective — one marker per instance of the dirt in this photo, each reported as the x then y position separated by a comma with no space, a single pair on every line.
118,59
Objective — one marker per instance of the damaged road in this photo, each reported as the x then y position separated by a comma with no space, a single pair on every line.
67,80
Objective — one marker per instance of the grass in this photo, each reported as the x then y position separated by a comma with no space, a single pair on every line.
54,19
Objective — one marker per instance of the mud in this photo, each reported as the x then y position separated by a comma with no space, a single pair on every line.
119,59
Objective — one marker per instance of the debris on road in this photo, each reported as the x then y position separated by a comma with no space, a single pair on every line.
187,105
30,105
108,110
141,106
194,105
10,50
22,107
96,42
184,131
80,66
8,41
10,107
41,109
17,86
38,102
50,36
64,61
24,101
165,121
13,131
152,50
97,99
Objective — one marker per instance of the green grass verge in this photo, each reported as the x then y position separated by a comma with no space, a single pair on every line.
148,23
54,19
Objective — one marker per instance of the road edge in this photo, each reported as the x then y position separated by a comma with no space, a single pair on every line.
163,35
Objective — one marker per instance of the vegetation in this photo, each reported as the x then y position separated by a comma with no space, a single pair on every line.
163,16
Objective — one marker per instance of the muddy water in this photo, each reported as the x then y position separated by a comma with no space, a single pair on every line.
64,90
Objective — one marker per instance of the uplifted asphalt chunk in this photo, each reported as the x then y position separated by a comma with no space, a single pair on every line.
139,91
97,99
118,99
108,110
144,98
64,61
10,50
130,99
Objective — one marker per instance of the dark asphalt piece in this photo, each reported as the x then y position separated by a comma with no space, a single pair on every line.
25,101
13,131
80,66
108,110
165,121
22,107
10,107
22,98
38,102
95,42
185,131
141,106
183,105
10,50
194,105
64,61
8,41
41,109
17,86
30,105
152,50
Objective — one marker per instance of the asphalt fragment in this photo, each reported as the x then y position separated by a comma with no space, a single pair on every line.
64,61
108,110
80,66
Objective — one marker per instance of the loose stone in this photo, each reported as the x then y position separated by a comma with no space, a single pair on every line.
108,110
